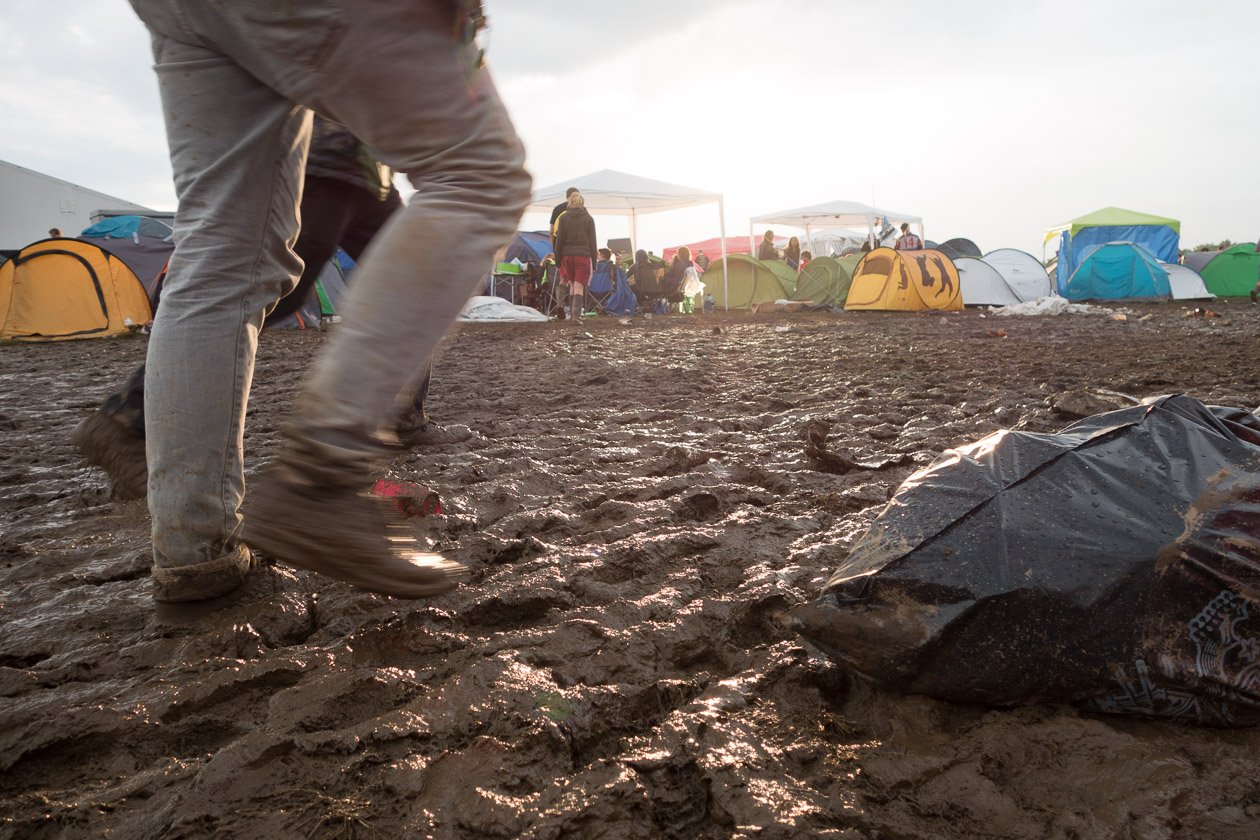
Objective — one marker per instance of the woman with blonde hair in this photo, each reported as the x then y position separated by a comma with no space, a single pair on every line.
576,250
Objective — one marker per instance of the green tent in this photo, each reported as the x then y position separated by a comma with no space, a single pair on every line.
826,280
751,281
1232,273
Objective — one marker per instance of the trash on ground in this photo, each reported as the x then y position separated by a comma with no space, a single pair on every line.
1114,565
410,498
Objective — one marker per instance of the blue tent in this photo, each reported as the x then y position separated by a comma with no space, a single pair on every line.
1081,237
528,246
1118,271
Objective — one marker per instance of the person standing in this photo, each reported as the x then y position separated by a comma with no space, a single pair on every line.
908,241
576,249
766,250
407,77
560,208
702,260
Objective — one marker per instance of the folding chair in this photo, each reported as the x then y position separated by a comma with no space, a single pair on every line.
601,287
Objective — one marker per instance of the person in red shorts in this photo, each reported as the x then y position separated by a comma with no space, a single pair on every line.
576,250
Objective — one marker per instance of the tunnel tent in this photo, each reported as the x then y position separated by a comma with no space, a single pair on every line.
1185,283
1233,272
824,281
145,244
1026,276
58,289
982,284
959,247
746,281
913,281
1159,235
1119,271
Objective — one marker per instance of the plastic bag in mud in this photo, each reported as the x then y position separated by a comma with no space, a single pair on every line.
1115,565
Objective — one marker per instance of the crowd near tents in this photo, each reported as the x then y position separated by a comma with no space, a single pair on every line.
108,278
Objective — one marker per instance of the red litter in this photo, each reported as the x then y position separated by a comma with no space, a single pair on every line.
410,498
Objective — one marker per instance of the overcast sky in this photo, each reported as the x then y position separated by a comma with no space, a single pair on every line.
992,119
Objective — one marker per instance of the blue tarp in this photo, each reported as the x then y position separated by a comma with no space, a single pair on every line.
1118,271
1160,240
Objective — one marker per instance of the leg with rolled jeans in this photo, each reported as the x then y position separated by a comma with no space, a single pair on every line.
402,76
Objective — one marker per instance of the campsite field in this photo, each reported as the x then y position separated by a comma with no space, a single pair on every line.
641,517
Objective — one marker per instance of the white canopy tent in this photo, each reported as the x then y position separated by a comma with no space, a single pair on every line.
833,214
610,192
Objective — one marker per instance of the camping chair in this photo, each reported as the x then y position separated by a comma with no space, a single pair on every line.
507,278
550,298
600,289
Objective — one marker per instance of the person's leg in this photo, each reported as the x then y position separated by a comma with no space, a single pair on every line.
112,438
237,151
403,76
327,213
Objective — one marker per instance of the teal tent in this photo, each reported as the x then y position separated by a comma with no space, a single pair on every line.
1119,271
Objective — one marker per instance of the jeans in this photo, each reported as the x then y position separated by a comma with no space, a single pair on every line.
236,79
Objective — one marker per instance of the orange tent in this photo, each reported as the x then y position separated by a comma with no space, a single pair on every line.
58,289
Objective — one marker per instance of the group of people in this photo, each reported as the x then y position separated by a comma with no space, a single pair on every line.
792,254
577,259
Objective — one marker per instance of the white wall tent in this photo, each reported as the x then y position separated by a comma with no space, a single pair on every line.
1185,282
832,215
32,202
609,192
982,284
1026,276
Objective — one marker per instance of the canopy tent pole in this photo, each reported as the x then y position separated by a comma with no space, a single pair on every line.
752,240
726,279
634,231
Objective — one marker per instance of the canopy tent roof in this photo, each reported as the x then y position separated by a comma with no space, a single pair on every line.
1113,217
834,214
612,192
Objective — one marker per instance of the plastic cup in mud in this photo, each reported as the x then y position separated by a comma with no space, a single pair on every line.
409,498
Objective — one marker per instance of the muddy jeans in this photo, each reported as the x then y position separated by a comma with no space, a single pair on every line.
236,78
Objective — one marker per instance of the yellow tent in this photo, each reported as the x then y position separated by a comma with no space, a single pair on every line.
904,281
59,289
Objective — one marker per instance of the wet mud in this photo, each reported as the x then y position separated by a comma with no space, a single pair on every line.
642,507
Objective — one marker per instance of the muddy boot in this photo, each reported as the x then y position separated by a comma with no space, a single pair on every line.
211,579
340,530
106,442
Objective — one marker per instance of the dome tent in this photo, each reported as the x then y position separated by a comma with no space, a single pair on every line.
1026,276
959,247
747,281
145,244
1081,237
905,281
1185,283
58,289
1119,271
982,284
1233,272
825,281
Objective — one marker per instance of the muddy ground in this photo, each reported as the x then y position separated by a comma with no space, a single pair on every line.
641,516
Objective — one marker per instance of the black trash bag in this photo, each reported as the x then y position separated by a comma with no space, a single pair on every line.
1115,565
